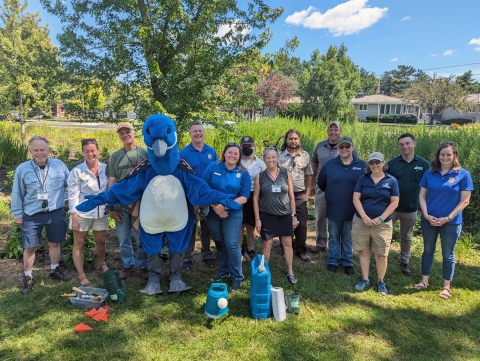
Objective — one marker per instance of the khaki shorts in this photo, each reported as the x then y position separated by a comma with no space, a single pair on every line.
377,239
94,224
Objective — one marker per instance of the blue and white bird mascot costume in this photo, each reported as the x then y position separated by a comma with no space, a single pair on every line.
168,190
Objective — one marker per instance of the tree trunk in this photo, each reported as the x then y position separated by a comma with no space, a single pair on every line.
22,119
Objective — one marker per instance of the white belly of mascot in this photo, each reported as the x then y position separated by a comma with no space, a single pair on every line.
164,206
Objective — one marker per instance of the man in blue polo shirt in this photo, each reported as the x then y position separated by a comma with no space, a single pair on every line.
408,169
199,155
337,179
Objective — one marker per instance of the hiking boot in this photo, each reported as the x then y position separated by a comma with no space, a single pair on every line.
405,269
318,249
362,285
332,268
349,270
219,276
27,284
209,262
304,257
59,274
144,273
187,264
382,288
251,254
236,284
126,272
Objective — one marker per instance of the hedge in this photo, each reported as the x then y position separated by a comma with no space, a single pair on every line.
398,119
459,121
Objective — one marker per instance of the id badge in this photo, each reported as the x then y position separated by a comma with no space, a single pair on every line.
276,188
42,196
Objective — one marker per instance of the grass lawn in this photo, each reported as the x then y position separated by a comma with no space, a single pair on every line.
405,325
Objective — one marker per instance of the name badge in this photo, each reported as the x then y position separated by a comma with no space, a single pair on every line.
42,196
276,188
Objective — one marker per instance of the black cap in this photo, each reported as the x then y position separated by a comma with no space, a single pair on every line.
345,140
247,140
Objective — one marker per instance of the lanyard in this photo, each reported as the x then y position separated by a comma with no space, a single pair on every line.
133,165
44,178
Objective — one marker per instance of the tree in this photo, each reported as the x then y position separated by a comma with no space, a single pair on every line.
467,82
395,82
29,62
368,82
274,91
179,49
330,81
435,94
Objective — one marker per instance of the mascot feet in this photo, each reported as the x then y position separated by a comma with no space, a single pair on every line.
178,286
152,288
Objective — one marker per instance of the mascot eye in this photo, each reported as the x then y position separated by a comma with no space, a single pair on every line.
169,131
147,131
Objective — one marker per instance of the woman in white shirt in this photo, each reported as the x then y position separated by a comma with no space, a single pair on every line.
88,177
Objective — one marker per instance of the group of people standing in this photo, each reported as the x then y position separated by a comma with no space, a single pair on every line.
356,204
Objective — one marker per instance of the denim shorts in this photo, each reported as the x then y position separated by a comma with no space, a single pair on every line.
53,221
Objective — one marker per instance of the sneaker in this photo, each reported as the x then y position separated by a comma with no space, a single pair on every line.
59,274
318,249
219,276
405,269
187,264
126,272
360,286
144,273
381,288
27,284
332,268
209,262
349,270
236,284
251,254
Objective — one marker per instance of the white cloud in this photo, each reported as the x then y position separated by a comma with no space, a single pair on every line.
475,41
405,18
225,28
344,19
393,60
433,54
449,52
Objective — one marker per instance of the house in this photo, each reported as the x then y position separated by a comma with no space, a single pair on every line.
58,110
379,104
449,113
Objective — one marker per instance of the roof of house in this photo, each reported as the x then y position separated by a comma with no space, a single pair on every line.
377,99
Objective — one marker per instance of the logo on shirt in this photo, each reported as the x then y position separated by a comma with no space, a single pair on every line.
238,175
217,174
356,168
386,185
209,156
451,180
418,168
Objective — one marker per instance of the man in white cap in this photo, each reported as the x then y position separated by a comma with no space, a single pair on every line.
120,164
324,151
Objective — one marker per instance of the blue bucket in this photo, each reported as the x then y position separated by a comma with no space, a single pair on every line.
260,283
217,301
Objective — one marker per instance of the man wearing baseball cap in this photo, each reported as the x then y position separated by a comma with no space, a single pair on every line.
337,179
120,164
324,151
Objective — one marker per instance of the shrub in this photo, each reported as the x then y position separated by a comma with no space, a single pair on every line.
13,248
457,121
393,119
12,152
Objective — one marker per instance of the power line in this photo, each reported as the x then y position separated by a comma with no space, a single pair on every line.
452,66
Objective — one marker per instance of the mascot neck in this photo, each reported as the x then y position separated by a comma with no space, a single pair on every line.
165,165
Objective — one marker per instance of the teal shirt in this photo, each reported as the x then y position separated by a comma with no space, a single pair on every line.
408,176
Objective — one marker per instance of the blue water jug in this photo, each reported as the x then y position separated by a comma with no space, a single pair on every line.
217,300
260,282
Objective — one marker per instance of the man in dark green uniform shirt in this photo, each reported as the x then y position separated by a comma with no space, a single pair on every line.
408,169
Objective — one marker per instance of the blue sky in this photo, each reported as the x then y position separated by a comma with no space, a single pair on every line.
379,34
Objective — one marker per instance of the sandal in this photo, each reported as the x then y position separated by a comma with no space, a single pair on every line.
84,281
422,285
446,293
292,279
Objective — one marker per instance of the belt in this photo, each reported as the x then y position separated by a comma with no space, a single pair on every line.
296,194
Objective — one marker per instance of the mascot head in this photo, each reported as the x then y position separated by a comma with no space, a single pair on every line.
160,137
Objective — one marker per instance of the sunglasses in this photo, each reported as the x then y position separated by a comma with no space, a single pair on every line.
346,146
88,141
449,143
44,203
294,164
233,144
372,162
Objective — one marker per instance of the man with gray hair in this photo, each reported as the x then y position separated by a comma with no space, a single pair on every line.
38,199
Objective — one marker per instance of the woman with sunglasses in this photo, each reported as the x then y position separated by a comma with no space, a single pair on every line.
228,176
444,193
274,207
90,178
375,197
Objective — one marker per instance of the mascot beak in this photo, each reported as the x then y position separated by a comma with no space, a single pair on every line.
159,147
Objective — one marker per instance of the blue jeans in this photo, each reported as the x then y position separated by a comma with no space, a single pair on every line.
124,235
340,242
225,234
449,234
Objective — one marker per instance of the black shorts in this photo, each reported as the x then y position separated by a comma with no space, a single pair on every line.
275,226
248,213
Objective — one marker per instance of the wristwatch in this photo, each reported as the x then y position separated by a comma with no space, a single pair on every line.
294,214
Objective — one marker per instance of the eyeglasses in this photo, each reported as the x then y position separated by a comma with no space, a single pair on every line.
372,162
89,141
449,143
44,203
346,146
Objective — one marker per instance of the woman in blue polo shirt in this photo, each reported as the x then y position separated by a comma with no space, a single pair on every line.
375,197
229,177
445,192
